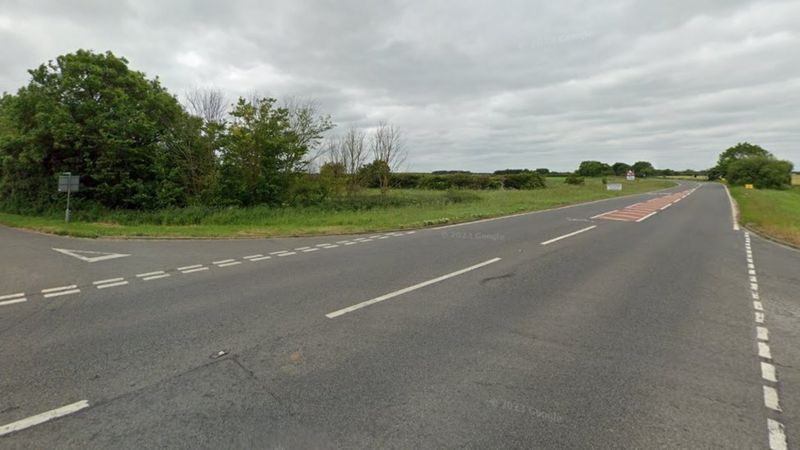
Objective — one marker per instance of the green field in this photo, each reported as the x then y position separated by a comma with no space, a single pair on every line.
795,179
399,209
771,212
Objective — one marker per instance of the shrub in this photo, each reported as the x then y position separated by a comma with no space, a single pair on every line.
574,179
762,172
525,180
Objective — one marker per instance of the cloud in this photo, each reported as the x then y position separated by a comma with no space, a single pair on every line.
473,85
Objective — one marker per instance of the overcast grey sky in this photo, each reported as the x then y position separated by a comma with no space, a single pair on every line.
474,85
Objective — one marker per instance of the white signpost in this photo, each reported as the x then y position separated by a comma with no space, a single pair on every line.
630,176
68,183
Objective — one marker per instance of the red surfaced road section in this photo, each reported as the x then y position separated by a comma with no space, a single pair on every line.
640,212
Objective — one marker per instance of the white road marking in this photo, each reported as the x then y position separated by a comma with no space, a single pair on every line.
646,217
771,398
58,294
383,237
302,248
754,286
582,230
6,297
734,211
80,255
777,435
768,372
759,317
324,245
121,283
287,254
278,253
751,272
758,306
190,267
260,259
11,302
149,274
762,333
375,237
341,242
351,243
603,214
755,295
43,417
199,269
408,289
110,280
156,277
665,206
259,255
61,288
332,246
232,263
764,351
310,250
753,279
366,240
224,261
410,232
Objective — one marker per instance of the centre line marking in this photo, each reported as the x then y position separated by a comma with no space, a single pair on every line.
110,280
60,293
224,261
232,263
666,206
253,256
261,258
771,398
759,317
310,250
6,297
149,274
72,286
408,289
777,435
763,333
569,235
278,253
763,351
287,254
43,417
156,277
199,269
189,267
103,286
11,302
768,372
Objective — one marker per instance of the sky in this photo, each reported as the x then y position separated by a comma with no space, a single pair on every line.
472,85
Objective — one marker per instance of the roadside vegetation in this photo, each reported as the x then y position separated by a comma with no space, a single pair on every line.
369,211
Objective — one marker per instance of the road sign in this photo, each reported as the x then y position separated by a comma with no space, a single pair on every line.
630,176
69,183
90,256
614,186
748,186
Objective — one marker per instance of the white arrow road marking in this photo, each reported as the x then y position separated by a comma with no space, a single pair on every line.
82,255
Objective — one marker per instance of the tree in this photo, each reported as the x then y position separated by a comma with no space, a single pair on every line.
643,169
350,150
594,169
387,146
761,171
208,104
742,150
89,114
620,169
308,127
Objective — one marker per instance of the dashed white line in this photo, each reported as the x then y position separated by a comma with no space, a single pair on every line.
308,250
61,288
60,293
149,274
260,258
759,317
104,286
582,230
762,334
408,289
228,264
278,253
755,295
43,417
366,240
199,269
665,206
253,256
156,277
777,435
758,306
110,280
11,302
189,267
351,243
768,372
331,246
754,286
287,254
764,351
646,217
6,297
771,400
302,248
224,261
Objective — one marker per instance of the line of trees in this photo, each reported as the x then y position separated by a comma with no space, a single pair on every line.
136,146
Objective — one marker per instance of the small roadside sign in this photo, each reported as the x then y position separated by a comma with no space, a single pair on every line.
630,176
614,187
69,183
748,186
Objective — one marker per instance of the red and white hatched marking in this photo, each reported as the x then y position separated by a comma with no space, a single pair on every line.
642,211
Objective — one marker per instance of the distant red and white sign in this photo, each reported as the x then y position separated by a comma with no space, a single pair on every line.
630,176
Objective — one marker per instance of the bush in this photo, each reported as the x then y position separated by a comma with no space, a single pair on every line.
762,172
435,182
525,180
453,196
574,179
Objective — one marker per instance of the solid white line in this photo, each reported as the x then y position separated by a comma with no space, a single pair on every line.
232,263
224,261
768,372
57,294
287,254
199,269
763,350
762,333
647,217
149,274
771,398
156,277
6,297
11,302
190,267
408,289
43,417
72,286
582,230
110,280
734,210
758,306
260,259
665,206
253,256
310,250
759,317
777,435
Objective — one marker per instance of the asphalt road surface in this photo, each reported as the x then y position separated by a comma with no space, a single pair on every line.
639,322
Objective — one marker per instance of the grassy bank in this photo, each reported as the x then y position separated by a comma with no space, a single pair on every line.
771,212
410,208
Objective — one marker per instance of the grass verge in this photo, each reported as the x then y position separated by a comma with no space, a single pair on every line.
775,213
399,209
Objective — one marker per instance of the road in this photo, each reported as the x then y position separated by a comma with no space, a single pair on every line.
599,325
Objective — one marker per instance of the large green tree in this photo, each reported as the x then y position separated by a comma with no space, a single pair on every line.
594,169
90,114
643,169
